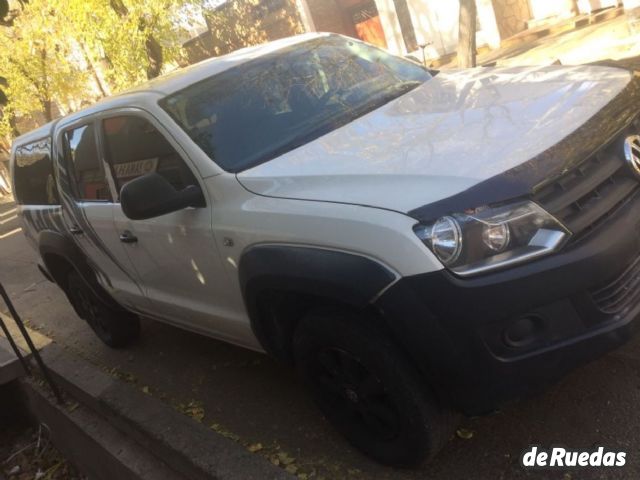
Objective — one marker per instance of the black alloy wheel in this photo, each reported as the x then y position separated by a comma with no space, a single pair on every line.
117,328
368,388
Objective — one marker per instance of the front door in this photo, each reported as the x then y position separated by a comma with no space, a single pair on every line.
175,255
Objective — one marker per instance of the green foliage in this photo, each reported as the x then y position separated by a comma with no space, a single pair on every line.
62,54
115,35
36,64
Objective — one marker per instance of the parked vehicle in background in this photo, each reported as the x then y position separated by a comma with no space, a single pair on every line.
415,243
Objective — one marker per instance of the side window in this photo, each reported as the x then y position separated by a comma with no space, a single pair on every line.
34,178
82,157
134,147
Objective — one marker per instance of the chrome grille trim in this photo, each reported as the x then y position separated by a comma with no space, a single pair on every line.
622,293
589,192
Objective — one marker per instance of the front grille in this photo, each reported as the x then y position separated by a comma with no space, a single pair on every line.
585,195
622,293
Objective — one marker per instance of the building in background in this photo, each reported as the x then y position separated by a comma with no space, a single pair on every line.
402,26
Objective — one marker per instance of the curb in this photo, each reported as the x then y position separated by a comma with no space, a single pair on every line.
90,443
186,446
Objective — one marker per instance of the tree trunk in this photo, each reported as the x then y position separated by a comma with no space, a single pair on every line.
93,70
14,125
154,54
45,94
119,7
152,46
467,34
47,109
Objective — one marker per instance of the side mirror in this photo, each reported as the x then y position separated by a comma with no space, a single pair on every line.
151,195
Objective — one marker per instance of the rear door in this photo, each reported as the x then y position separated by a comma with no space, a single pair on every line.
87,199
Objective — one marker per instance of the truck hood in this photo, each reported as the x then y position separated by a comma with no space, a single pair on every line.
451,133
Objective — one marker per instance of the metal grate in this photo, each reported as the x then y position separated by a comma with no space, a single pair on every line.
622,293
585,195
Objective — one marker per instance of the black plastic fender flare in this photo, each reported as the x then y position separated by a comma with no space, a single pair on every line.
348,278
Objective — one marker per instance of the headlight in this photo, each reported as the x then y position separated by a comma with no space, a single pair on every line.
489,238
446,239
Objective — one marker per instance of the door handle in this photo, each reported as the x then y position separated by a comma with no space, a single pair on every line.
128,237
75,230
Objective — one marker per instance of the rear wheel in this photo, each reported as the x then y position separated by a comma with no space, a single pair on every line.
115,327
368,389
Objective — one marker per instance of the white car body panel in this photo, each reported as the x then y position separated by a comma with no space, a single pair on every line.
384,236
456,130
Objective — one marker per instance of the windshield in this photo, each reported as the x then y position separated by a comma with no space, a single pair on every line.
261,109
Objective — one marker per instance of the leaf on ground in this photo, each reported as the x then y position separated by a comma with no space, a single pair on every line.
195,410
145,389
256,447
285,459
464,434
230,436
225,433
292,469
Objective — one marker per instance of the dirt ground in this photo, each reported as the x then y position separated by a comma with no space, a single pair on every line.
26,452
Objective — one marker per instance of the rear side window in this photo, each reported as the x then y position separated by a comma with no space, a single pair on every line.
134,147
34,178
82,157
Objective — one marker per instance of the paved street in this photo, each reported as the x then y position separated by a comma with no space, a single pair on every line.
255,401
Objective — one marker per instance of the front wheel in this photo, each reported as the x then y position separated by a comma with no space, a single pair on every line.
115,327
367,388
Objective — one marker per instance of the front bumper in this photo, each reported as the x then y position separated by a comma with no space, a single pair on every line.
485,340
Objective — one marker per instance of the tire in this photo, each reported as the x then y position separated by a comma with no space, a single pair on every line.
116,328
367,388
